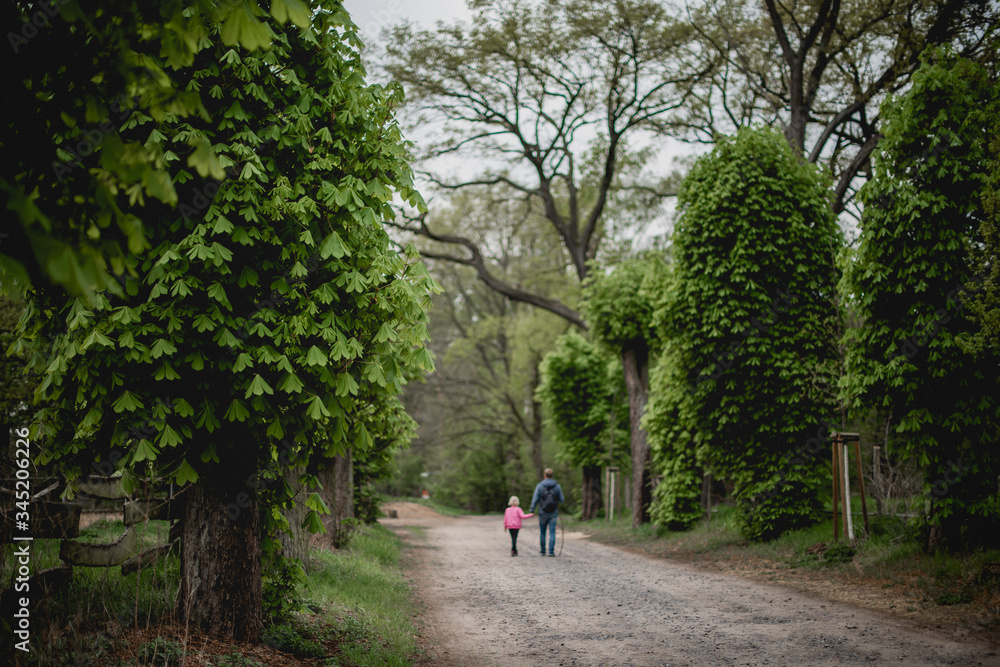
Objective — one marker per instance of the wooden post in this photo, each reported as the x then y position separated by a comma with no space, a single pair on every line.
861,484
846,491
835,469
706,494
612,473
610,502
877,478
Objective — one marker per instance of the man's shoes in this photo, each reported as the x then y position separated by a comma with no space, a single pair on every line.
552,555
542,554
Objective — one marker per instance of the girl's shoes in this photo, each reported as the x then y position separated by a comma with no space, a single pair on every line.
513,552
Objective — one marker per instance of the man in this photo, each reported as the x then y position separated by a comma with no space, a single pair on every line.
548,495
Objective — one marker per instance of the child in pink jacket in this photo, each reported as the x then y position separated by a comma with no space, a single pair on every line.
512,521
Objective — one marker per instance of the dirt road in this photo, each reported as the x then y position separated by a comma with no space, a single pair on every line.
596,605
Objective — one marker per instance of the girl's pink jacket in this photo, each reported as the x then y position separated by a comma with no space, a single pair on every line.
512,517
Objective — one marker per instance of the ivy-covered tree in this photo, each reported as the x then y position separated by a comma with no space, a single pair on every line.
264,303
620,311
581,394
911,281
752,321
673,445
673,441
983,296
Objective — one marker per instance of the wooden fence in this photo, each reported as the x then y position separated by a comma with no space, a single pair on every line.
53,519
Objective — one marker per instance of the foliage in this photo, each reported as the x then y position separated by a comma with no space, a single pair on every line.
581,393
291,638
274,306
619,305
668,418
267,299
750,318
910,282
282,580
392,429
161,652
18,387
74,177
982,298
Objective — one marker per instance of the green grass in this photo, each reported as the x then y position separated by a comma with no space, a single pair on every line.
361,609
364,588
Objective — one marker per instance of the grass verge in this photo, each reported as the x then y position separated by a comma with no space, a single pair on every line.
357,612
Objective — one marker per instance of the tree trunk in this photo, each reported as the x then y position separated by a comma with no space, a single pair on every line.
338,494
636,364
220,553
343,507
593,495
296,544
537,434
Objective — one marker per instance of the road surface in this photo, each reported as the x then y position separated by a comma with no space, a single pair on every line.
600,606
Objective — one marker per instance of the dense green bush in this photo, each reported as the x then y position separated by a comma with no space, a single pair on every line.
750,314
919,354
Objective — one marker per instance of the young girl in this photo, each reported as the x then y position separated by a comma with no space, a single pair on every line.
512,521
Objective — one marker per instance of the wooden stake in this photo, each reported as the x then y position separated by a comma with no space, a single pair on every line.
835,468
706,494
861,485
877,478
846,489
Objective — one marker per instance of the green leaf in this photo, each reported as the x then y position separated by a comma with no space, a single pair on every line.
314,524
258,387
237,412
185,474
295,10
315,502
166,372
275,430
333,245
144,451
346,385
316,409
128,402
242,27
169,437
204,160
315,357
290,383
162,347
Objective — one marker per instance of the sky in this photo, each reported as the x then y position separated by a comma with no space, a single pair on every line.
371,16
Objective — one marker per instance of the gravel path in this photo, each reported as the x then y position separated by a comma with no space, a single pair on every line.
596,605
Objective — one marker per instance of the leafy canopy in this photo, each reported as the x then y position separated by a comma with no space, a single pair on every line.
271,305
74,182
582,394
